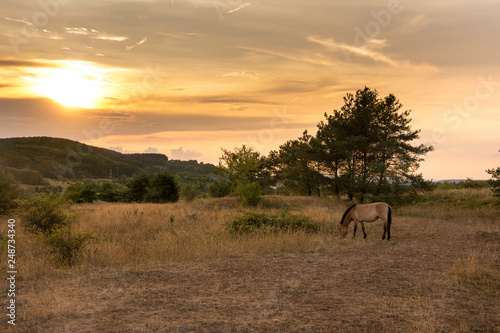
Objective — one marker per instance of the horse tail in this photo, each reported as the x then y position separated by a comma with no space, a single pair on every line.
389,216
345,213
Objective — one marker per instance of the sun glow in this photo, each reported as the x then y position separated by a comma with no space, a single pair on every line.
74,87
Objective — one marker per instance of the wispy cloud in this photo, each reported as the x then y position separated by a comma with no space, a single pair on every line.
95,34
244,75
185,35
416,24
142,41
369,50
308,57
243,5
17,20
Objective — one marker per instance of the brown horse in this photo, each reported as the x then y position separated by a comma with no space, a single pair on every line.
367,213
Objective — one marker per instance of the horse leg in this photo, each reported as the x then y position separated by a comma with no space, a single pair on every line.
355,228
385,231
388,231
363,228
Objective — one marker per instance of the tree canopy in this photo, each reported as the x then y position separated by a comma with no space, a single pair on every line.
364,150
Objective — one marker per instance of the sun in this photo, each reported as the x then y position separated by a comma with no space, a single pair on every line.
73,87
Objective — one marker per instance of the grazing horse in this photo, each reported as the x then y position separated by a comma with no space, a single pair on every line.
366,213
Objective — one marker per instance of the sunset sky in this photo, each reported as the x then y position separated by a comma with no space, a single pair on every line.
187,77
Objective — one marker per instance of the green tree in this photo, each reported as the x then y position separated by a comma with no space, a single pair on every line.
138,188
162,188
298,166
366,147
9,191
240,166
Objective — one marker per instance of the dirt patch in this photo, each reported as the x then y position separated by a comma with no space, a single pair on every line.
492,238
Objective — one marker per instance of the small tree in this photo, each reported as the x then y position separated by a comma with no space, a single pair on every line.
138,188
162,188
241,165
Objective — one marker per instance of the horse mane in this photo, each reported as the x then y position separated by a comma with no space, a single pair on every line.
345,213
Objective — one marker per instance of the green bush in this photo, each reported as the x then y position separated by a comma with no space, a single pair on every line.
447,186
157,188
67,245
469,183
188,193
495,181
81,193
9,192
219,188
250,194
251,222
52,220
45,214
162,188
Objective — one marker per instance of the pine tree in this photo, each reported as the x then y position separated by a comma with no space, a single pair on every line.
366,147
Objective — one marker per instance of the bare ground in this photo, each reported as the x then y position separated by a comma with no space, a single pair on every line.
404,285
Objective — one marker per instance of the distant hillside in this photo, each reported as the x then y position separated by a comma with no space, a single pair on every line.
29,159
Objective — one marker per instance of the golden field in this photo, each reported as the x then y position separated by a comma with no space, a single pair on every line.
174,268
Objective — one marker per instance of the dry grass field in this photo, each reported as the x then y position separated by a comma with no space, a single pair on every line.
174,268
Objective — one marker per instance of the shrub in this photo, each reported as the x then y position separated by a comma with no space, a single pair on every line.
108,192
157,188
469,183
495,181
52,219
188,193
251,222
9,192
67,245
81,193
447,186
219,188
162,188
250,194
45,214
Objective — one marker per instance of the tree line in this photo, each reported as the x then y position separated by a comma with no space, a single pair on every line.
364,150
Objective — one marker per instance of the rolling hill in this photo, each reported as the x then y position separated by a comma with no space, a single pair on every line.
30,159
